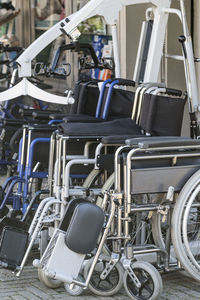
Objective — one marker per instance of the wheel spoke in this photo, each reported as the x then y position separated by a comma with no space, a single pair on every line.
96,280
147,288
109,281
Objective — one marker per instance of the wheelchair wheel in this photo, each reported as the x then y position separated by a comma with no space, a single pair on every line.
150,279
186,226
107,185
74,290
48,282
157,230
91,178
111,284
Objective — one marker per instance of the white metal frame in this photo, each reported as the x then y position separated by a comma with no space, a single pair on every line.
110,11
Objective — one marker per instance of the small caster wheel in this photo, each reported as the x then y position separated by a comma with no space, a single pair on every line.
48,282
111,284
150,279
74,289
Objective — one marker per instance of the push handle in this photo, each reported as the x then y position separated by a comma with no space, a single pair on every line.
77,46
173,92
126,82
182,40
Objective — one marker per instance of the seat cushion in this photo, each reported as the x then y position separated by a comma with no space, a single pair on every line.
116,127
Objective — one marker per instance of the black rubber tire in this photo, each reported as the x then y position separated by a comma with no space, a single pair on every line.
151,282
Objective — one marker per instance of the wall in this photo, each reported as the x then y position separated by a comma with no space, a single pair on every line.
25,23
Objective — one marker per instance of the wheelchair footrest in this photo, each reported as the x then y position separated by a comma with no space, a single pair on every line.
58,261
13,244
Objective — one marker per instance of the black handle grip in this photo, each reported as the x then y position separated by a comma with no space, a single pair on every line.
11,49
77,46
173,92
126,82
182,39
41,127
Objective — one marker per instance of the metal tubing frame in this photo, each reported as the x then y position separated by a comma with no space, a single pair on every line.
128,169
67,172
189,64
28,170
51,162
101,96
108,99
11,186
35,233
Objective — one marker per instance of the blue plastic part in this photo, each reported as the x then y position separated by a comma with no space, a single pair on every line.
55,122
55,60
19,155
78,176
100,100
30,160
28,170
108,99
10,189
4,162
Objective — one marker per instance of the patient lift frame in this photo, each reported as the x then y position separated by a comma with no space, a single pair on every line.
110,11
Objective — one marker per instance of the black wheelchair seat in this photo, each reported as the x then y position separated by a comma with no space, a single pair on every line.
121,126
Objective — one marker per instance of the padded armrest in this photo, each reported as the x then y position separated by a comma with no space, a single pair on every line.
57,116
43,114
18,122
166,141
117,139
27,112
82,118
42,127
13,122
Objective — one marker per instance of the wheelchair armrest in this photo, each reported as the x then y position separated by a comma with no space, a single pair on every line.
27,112
117,139
16,122
164,141
57,116
43,114
42,127
13,122
82,118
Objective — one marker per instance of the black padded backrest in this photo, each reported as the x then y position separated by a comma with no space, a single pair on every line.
86,96
162,115
73,108
121,104
41,149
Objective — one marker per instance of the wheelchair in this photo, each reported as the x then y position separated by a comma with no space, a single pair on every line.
36,140
117,243
138,221
123,222
20,111
82,91
136,214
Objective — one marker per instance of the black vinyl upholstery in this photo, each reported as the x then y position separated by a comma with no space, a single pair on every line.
119,126
84,228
